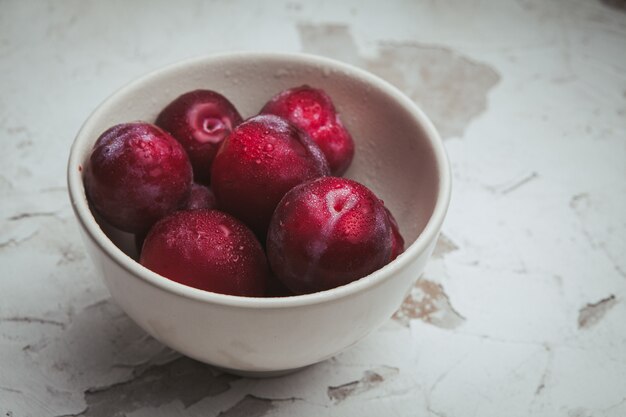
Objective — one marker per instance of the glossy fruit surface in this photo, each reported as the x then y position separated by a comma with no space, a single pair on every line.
327,233
313,111
200,197
209,250
200,120
259,162
136,174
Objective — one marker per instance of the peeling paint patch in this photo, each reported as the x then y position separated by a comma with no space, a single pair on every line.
183,380
370,380
444,246
592,313
450,87
428,302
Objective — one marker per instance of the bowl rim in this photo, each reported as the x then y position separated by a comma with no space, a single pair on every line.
97,235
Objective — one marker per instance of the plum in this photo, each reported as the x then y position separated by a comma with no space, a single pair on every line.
313,111
327,233
209,250
200,197
136,174
200,120
262,159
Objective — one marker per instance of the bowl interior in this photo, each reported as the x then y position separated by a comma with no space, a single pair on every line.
395,155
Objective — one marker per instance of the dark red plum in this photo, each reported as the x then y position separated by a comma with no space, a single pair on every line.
200,120
327,233
136,174
200,197
313,111
209,250
262,159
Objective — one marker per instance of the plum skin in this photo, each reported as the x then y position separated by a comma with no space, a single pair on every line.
209,250
313,111
200,120
200,197
136,174
258,163
327,233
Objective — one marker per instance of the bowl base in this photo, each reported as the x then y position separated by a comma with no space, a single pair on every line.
260,374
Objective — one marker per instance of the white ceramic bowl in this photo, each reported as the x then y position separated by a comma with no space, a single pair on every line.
399,155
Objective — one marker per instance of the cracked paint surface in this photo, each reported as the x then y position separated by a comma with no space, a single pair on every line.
427,301
592,313
182,380
520,310
371,379
249,406
451,88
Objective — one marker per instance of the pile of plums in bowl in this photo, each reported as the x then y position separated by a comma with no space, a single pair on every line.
239,207
267,177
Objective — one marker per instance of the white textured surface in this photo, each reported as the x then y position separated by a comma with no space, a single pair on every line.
520,312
